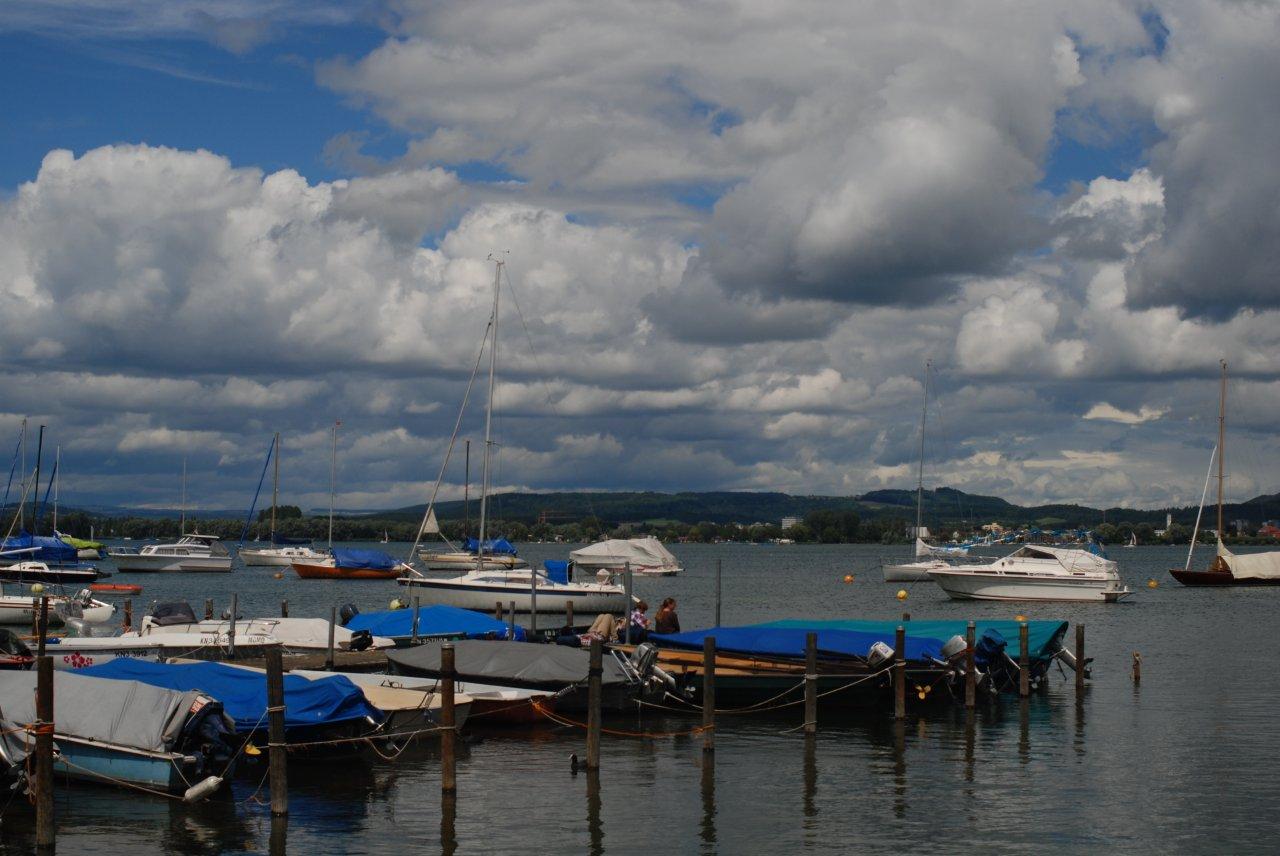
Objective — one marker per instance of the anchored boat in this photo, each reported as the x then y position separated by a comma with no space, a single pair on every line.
1036,572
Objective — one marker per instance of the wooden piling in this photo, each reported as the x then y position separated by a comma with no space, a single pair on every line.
1137,668
284,609
35,617
417,610
448,761
718,564
900,673
811,683
906,616
533,603
594,671
1024,661
512,617
708,693
627,606
128,613
970,668
43,625
208,608
44,753
568,613
333,622
1079,661
231,625
497,610
278,760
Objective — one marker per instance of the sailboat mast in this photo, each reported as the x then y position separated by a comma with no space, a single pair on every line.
35,492
1222,436
488,417
333,476
924,410
275,489
466,494
57,465
182,513
22,508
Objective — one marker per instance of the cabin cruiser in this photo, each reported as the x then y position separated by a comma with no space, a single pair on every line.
644,556
1036,572
40,572
193,553
20,609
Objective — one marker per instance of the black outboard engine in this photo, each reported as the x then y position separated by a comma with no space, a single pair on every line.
346,612
360,640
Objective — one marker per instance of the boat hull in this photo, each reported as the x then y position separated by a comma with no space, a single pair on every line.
97,762
977,586
54,576
272,559
130,563
332,572
1218,578
467,562
483,597
911,572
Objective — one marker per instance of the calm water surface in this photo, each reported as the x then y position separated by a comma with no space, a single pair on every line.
1187,762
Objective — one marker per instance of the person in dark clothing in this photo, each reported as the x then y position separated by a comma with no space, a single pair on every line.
666,621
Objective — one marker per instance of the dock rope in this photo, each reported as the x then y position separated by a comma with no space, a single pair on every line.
564,720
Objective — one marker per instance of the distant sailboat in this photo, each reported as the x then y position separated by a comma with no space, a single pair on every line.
1133,540
282,553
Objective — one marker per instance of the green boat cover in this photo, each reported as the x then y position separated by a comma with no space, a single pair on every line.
82,544
1043,637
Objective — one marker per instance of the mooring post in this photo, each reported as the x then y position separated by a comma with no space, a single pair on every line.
811,683
1024,661
284,609
594,670
44,753
448,763
708,694
231,625
1137,667
1080,661
128,613
278,760
417,609
627,607
533,602
35,617
333,622
513,619
718,568
208,609
900,673
44,625
906,616
970,668
497,610
568,612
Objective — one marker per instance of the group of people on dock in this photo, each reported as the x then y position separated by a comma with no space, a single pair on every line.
607,628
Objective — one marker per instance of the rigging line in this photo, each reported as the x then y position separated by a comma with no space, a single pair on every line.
13,468
457,426
946,444
248,517
22,501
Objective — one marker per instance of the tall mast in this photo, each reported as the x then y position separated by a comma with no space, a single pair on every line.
1222,436
488,416
22,508
35,489
182,514
924,409
57,465
275,489
333,474
466,494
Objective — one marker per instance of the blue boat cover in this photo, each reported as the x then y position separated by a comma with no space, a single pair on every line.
243,692
53,551
557,570
375,559
492,547
764,640
438,620
1043,637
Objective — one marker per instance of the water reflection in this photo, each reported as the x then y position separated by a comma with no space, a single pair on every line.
810,775
970,734
708,831
278,843
448,823
595,829
1024,730
899,768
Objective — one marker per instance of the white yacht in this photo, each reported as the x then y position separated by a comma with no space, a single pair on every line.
283,557
483,589
193,553
646,556
21,609
1035,572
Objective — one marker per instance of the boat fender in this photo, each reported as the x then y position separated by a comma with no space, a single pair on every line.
202,789
346,612
360,640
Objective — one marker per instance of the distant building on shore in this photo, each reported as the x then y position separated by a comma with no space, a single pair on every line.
788,522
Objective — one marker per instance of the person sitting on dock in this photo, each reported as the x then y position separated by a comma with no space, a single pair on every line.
603,628
666,621
640,622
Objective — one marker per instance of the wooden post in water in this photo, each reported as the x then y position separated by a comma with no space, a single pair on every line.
44,753
533,602
284,609
417,609
208,608
568,612
333,622
278,760
231,625
1079,661
1024,661
626,609
594,671
970,668
128,613
513,619
1137,668
448,763
44,625
708,694
497,610
35,617
718,564
900,673
811,683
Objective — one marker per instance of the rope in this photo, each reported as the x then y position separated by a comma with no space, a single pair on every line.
564,720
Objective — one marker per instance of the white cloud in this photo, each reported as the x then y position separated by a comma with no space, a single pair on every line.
1109,413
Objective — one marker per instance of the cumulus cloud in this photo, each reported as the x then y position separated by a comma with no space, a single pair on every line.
1110,413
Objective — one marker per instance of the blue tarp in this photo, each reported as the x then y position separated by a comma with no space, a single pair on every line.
53,551
243,692
438,620
1043,637
374,559
492,547
768,641
557,570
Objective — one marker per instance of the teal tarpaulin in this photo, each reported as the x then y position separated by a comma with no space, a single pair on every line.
1043,637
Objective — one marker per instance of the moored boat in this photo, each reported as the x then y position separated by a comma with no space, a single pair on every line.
192,553
646,556
349,564
555,591
1036,572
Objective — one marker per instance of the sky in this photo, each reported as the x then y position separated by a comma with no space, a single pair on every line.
733,232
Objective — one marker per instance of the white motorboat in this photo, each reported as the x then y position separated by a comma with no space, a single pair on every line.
21,609
482,590
297,634
193,553
283,557
1036,572
645,556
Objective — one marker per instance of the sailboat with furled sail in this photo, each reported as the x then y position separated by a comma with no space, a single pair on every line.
1227,568
283,551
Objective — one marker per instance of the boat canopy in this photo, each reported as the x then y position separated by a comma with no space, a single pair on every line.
1070,559
40,548
534,666
1044,638
243,692
1256,566
122,712
81,543
492,547
770,641
616,552
433,621
557,570
374,559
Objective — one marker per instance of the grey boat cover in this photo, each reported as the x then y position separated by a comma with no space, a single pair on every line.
509,663
126,713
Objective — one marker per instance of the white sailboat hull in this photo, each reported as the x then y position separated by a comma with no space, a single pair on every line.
281,557
912,572
977,585
463,561
552,597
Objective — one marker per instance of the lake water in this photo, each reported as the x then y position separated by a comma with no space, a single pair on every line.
1189,761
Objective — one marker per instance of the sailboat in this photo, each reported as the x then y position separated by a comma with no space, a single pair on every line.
282,553
927,558
192,553
526,589
1227,568
340,563
1133,540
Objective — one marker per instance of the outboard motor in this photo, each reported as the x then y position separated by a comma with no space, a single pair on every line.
346,612
954,648
879,655
644,658
360,640
1069,658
